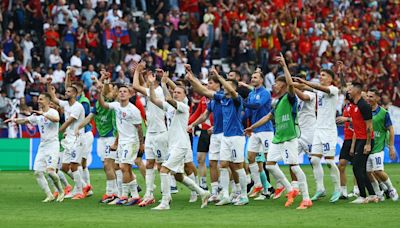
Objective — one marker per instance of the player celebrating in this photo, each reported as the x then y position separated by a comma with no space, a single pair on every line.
285,143
178,143
130,140
215,109
47,157
73,148
325,135
257,106
105,125
233,141
381,124
156,135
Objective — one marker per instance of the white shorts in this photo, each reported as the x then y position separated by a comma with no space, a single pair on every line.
286,151
324,142
232,149
60,158
156,146
47,156
87,144
306,141
259,142
127,153
103,147
215,147
188,156
375,162
73,149
176,159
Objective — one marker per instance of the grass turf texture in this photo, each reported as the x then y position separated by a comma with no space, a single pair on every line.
21,206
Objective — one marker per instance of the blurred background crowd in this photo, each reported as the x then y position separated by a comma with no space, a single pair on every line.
40,38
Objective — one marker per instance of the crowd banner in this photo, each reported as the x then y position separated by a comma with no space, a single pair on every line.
19,154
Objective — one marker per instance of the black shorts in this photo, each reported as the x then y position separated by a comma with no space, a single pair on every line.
204,142
140,154
359,147
345,151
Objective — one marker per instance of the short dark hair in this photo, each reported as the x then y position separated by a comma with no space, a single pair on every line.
234,81
73,88
78,84
330,72
237,73
357,85
182,87
374,90
215,79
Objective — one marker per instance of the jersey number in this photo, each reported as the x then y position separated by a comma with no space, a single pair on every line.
378,160
287,154
107,149
125,153
42,129
234,153
49,160
73,154
158,154
266,144
326,147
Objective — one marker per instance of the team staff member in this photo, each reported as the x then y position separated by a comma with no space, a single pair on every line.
361,117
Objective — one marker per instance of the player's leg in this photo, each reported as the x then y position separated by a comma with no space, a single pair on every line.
129,183
316,155
329,151
51,166
151,154
202,150
344,158
358,171
254,148
273,156
225,158
381,175
87,149
213,157
165,189
39,168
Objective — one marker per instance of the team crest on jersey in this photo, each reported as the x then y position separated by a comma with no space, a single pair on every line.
123,114
258,97
356,109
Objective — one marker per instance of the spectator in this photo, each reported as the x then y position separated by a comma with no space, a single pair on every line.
55,58
61,14
87,13
76,63
58,75
121,79
27,45
52,39
87,77
19,87
132,57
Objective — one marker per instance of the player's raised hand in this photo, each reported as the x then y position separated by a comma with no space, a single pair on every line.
140,67
134,67
280,59
9,120
299,80
165,77
51,89
189,77
100,87
151,78
214,71
49,79
248,131
340,66
188,68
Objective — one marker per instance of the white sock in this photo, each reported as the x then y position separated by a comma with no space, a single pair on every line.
63,179
86,175
125,190
335,174
172,181
344,190
255,175
356,190
318,173
188,182
149,182
194,179
51,184
279,176
383,186
388,184
78,181
80,169
43,183
203,182
166,187
110,187
375,186
295,184
248,178
302,181
56,181
133,189
118,173
224,177
243,181
214,188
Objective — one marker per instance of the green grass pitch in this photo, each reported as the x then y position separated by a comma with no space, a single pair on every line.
21,206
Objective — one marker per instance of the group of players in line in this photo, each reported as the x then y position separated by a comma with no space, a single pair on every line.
301,118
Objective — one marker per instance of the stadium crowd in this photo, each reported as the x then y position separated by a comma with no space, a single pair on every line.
39,39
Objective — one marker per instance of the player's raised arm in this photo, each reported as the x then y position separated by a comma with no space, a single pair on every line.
136,81
315,86
17,121
67,81
281,60
301,95
202,118
197,86
168,97
259,123
48,116
227,86
85,122
67,123
52,92
101,98
153,97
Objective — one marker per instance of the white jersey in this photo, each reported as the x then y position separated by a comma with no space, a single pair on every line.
177,134
48,129
155,115
306,112
126,117
75,111
326,111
